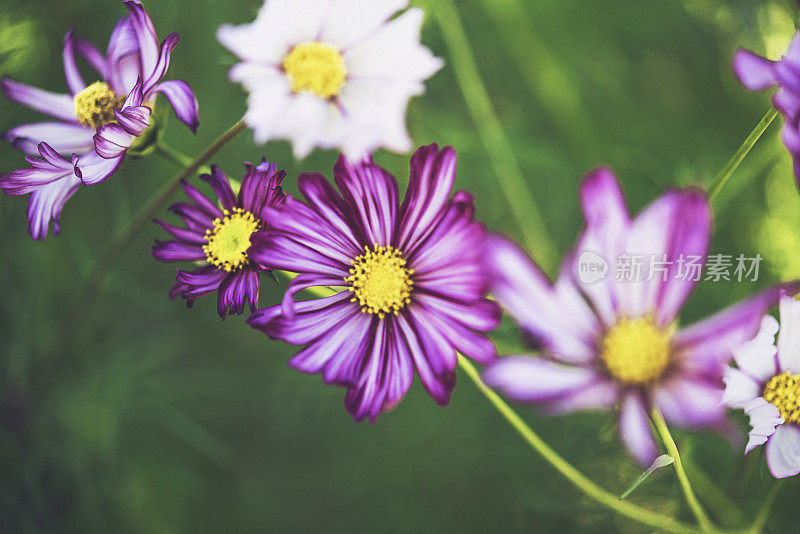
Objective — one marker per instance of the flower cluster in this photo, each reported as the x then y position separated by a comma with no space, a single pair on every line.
405,282
96,123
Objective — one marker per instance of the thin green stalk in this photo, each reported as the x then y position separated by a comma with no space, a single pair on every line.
176,156
509,174
637,513
766,507
592,490
713,497
94,282
722,177
672,450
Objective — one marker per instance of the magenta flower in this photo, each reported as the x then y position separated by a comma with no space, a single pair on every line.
410,274
220,238
607,342
766,386
96,123
757,73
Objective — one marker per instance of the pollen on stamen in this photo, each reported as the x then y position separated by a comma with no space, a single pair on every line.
380,281
315,67
228,242
95,105
783,392
636,352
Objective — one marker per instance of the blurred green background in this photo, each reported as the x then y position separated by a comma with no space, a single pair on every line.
159,419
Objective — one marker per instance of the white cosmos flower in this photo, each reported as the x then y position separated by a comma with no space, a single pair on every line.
331,73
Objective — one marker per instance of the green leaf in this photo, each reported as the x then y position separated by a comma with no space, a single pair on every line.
662,461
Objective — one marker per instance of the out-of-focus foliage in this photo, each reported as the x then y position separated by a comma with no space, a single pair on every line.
159,419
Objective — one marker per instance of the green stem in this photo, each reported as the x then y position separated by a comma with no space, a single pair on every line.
766,507
672,450
521,202
722,177
176,156
592,490
713,497
637,513
94,282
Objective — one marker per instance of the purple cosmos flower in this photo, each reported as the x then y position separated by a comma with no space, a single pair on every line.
766,386
757,73
412,282
95,123
220,237
607,342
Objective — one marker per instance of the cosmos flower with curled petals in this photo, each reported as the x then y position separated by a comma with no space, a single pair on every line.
766,385
96,123
757,73
412,287
331,73
609,340
219,237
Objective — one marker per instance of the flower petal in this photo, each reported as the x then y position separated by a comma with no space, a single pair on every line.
634,428
756,357
789,335
372,194
755,72
764,418
740,388
58,105
708,345
74,79
64,137
783,451
691,402
563,323
433,173
531,379
183,101
46,203
607,225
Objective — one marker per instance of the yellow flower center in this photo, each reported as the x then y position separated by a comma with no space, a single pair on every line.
316,67
95,105
783,391
380,281
636,352
228,242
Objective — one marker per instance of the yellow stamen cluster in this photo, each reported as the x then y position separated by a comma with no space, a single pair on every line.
380,281
227,244
315,67
95,105
783,391
636,352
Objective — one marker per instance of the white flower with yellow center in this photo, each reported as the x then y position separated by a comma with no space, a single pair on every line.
331,73
766,385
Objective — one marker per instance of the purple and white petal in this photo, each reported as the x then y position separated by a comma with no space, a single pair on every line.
531,379
183,101
764,419
60,106
690,402
708,345
634,428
